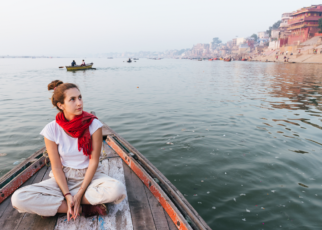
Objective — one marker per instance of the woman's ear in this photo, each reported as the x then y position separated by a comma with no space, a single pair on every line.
60,105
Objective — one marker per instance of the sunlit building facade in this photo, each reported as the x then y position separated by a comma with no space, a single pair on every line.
304,24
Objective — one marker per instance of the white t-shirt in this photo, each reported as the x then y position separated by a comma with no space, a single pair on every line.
67,145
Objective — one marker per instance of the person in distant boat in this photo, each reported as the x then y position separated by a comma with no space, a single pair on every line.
78,183
73,63
83,63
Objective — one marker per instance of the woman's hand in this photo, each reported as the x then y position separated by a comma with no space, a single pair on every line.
77,202
70,205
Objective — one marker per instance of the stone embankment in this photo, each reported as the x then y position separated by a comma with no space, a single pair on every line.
303,58
304,53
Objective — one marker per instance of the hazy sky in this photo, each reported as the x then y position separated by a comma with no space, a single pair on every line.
70,27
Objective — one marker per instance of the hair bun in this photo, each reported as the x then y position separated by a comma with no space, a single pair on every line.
54,84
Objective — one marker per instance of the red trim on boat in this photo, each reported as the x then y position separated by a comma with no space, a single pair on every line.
13,185
151,185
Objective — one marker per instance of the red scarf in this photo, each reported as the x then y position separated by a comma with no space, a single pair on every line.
78,128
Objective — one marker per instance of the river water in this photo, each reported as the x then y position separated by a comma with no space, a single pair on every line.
241,140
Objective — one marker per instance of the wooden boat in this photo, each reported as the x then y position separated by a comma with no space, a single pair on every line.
227,59
72,68
152,202
244,59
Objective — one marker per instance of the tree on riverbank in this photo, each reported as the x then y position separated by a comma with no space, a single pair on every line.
254,36
215,42
276,25
320,25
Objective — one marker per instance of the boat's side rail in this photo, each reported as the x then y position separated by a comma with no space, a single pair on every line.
21,173
90,64
167,194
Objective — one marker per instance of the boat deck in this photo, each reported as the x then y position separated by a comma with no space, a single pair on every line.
139,211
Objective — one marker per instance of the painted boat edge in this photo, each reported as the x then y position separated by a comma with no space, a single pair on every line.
141,165
17,176
79,67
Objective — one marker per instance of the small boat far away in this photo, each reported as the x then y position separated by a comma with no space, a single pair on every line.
129,61
78,67
227,59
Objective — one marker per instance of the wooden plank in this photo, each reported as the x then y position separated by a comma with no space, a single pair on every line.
119,216
142,218
63,224
40,175
11,218
105,165
144,175
44,224
89,223
81,222
33,221
170,222
157,211
106,130
46,176
107,152
4,205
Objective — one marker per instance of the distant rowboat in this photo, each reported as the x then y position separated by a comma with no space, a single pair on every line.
71,68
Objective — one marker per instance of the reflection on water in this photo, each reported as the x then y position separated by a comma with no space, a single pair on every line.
241,140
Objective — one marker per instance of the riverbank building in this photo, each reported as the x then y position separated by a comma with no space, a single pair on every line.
303,24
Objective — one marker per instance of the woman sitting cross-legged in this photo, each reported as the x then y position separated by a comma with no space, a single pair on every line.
78,184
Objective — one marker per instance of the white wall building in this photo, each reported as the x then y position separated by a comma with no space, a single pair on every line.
240,41
262,35
285,18
274,45
275,34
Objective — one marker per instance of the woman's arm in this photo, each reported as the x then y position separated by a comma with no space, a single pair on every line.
93,163
56,166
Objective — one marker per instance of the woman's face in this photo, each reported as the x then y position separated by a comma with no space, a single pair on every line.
73,103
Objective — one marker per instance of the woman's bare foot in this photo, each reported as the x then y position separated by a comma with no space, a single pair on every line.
93,210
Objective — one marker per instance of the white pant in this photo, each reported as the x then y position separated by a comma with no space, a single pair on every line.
45,198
